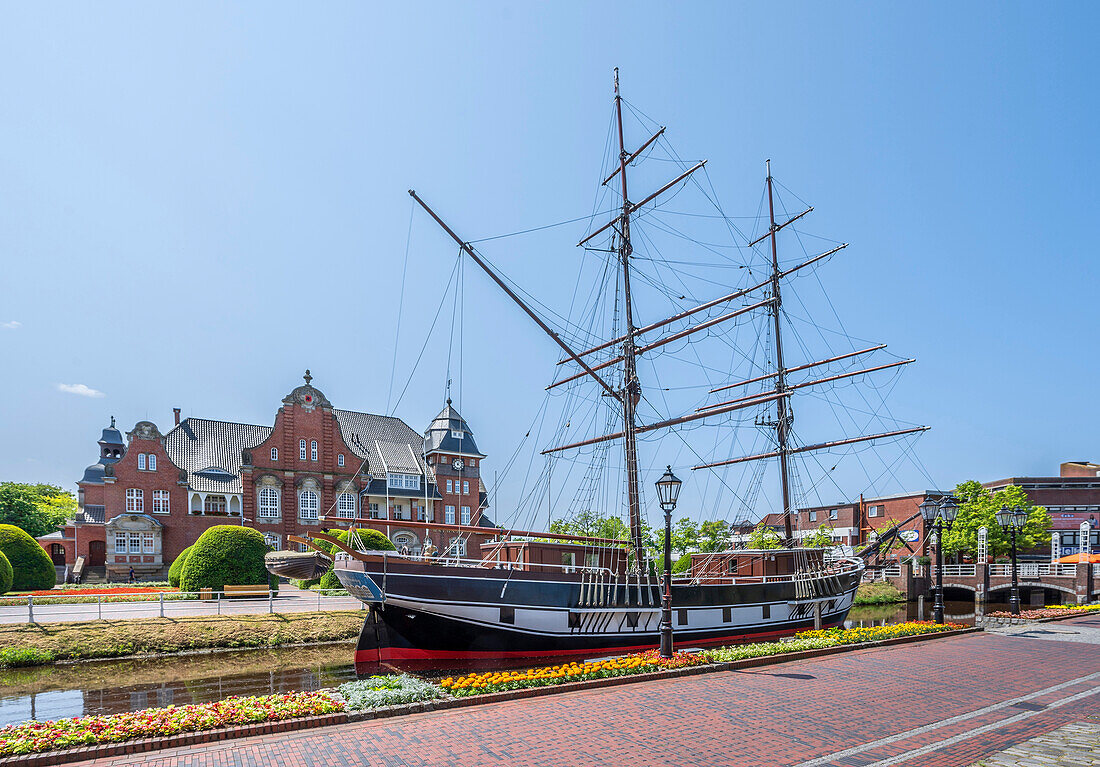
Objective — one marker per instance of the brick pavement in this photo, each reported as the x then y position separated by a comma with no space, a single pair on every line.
1075,744
950,701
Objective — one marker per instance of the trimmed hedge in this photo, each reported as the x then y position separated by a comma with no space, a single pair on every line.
682,565
372,539
226,555
31,567
5,574
177,568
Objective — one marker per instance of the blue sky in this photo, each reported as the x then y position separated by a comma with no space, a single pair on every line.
199,202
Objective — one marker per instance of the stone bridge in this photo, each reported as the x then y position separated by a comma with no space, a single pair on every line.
1076,582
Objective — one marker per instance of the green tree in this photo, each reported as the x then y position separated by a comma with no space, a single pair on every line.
763,537
978,507
685,536
37,509
714,535
821,538
590,524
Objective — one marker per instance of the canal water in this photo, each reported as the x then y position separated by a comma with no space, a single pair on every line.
111,687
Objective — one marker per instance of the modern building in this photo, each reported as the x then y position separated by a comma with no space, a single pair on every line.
1071,498
151,495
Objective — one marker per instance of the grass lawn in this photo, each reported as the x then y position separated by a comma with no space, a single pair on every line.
25,644
878,593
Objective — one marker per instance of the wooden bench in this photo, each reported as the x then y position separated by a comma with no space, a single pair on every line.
258,590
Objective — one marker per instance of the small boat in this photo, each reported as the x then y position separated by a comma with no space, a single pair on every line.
298,565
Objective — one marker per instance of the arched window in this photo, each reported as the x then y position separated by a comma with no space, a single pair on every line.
313,450
340,460
308,504
152,462
274,453
268,503
345,505
302,449
141,461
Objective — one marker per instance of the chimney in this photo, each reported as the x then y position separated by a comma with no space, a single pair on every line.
176,413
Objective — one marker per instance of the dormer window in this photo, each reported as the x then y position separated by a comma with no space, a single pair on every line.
456,433
403,481
141,461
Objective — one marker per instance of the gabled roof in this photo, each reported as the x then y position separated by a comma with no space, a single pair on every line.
210,452
388,443
439,436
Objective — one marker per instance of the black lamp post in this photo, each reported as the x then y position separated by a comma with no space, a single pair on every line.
939,514
1012,521
668,490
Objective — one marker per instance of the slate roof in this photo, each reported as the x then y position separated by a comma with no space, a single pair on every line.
210,452
388,443
438,436
93,475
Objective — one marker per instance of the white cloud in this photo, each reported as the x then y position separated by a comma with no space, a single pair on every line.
12,325
81,389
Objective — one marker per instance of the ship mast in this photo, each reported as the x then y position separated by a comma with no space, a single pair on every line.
785,416
632,390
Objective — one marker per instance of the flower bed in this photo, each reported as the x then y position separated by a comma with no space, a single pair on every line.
860,634
1045,612
378,691
70,596
31,737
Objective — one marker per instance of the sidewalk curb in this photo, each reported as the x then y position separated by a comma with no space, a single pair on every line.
123,748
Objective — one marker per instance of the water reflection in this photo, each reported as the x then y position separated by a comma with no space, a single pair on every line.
884,615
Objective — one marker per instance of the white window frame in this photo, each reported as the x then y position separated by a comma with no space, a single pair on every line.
135,543
301,449
813,516
448,515
152,460
465,487
450,486
834,514
274,453
308,507
210,504
147,543
313,450
264,506
120,542
466,515
141,461
457,433
135,499
873,511
457,546
272,540
401,481
340,460
421,514
160,502
345,505
373,512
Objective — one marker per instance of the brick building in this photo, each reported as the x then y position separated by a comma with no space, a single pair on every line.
857,523
1071,498
151,495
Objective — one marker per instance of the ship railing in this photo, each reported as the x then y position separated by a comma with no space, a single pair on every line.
491,564
70,606
834,567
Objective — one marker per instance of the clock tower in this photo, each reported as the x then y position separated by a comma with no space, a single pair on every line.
450,450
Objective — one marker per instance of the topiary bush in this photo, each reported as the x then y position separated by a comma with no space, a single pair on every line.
682,565
31,567
226,555
5,574
177,568
372,539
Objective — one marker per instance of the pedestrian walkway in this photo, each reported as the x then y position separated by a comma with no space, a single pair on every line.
948,702
1074,745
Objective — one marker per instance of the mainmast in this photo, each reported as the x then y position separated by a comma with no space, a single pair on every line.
785,417
632,390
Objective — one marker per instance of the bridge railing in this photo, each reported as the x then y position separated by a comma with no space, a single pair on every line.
1033,569
957,571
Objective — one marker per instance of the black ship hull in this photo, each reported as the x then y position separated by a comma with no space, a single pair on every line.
436,612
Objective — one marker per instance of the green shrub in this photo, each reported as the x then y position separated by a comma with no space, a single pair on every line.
12,657
226,555
31,567
378,691
372,539
682,565
177,568
5,574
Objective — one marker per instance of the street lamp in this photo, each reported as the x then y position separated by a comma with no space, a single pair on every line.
668,490
1012,521
939,514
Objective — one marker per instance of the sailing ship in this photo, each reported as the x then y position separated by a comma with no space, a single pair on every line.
528,594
